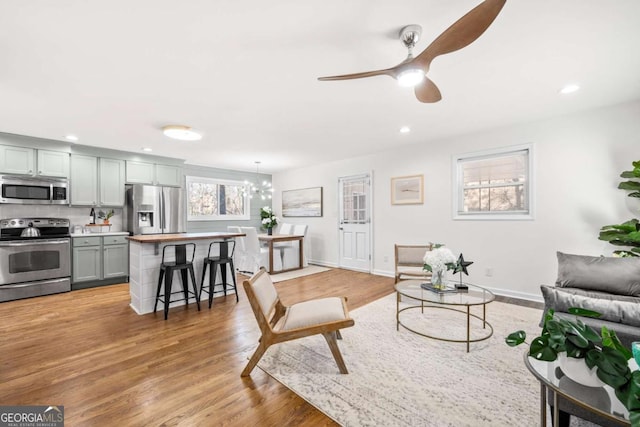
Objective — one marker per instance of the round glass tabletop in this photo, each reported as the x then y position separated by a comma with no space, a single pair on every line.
473,295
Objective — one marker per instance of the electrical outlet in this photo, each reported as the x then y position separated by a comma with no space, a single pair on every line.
488,272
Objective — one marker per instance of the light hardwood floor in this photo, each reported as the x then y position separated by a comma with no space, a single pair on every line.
87,350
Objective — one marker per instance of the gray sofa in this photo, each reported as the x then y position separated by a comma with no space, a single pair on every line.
610,286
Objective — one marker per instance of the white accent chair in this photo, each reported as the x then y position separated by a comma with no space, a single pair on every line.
257,256
279,323
290,254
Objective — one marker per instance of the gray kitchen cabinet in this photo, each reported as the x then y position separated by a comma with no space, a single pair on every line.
84,180
53,163
169,175
17,160
87,259
153,174
112,175
115,256
99,259
140,172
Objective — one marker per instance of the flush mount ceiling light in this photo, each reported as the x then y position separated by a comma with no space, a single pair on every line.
71,138
183,133
405,129
147,149
571,88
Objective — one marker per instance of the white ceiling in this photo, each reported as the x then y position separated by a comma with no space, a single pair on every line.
245,73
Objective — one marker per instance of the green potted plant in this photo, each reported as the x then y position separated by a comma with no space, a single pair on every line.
580,341
269,220
627,233
105,216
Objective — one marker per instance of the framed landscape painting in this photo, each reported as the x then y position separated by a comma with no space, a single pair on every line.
407,190
304,202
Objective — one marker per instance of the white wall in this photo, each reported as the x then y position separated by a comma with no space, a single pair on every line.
578,159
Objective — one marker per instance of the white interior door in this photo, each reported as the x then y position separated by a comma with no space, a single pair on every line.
355,222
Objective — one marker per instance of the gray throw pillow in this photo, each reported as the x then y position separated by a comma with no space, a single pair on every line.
619,276
619,309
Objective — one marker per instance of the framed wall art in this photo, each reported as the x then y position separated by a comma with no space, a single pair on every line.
303,203
407,190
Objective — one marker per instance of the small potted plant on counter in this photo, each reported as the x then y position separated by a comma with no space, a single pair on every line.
105,216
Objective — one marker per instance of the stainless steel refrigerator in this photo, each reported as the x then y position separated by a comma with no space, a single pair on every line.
155,210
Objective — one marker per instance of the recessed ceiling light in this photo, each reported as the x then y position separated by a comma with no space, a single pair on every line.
71,137
405,129
183,133
146,149
569,89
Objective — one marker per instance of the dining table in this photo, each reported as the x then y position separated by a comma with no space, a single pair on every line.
270,239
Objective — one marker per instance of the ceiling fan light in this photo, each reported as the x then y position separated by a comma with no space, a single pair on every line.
183,133
410,77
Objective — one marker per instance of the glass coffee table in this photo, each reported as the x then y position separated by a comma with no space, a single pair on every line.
460,301
600,401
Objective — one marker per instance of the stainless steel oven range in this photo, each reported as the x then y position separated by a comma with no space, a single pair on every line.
35,257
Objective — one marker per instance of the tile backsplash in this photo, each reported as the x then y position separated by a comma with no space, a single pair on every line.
76,215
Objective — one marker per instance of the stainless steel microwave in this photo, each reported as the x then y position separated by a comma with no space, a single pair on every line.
34,191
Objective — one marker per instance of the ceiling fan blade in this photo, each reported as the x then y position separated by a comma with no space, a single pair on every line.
462,33
388,72
427,91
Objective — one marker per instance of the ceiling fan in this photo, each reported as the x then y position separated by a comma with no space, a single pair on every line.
412,71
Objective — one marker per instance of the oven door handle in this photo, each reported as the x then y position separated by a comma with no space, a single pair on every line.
33,242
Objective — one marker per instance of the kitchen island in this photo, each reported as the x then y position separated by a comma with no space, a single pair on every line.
145,256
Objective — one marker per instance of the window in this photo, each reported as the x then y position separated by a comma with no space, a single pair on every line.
210,199
494,184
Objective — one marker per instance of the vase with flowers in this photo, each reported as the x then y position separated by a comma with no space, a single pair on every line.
438,261
269,220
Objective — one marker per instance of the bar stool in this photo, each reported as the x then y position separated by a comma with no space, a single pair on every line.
166,271
225,256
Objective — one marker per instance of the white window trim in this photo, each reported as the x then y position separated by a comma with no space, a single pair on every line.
217,181
493,216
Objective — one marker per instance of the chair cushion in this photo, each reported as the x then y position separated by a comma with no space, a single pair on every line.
606,274
412,271
313,312
614,308
265,293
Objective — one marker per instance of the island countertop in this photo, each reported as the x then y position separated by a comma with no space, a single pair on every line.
176,237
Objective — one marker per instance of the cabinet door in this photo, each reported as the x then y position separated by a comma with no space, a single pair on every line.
140,172
112,182
116,260
169,175
53,163
16,160
84,180
86,264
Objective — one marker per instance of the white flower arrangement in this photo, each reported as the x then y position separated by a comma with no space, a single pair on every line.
269,220
440,258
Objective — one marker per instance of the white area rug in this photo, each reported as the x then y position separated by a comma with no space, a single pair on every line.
306,271
397,378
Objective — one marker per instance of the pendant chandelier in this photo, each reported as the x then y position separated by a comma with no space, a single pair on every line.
256,188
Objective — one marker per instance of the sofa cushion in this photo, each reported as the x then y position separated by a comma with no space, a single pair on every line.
614,308
619,276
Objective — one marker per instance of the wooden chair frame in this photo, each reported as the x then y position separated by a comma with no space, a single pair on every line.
400,263
270,334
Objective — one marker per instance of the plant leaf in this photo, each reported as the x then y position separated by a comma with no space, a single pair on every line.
540,350
629,185
578,311
611,340
516,338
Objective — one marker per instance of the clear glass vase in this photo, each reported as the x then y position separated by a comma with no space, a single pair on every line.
438,279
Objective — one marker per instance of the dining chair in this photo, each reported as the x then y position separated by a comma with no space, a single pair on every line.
257,256
291,253
409,262
279,323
